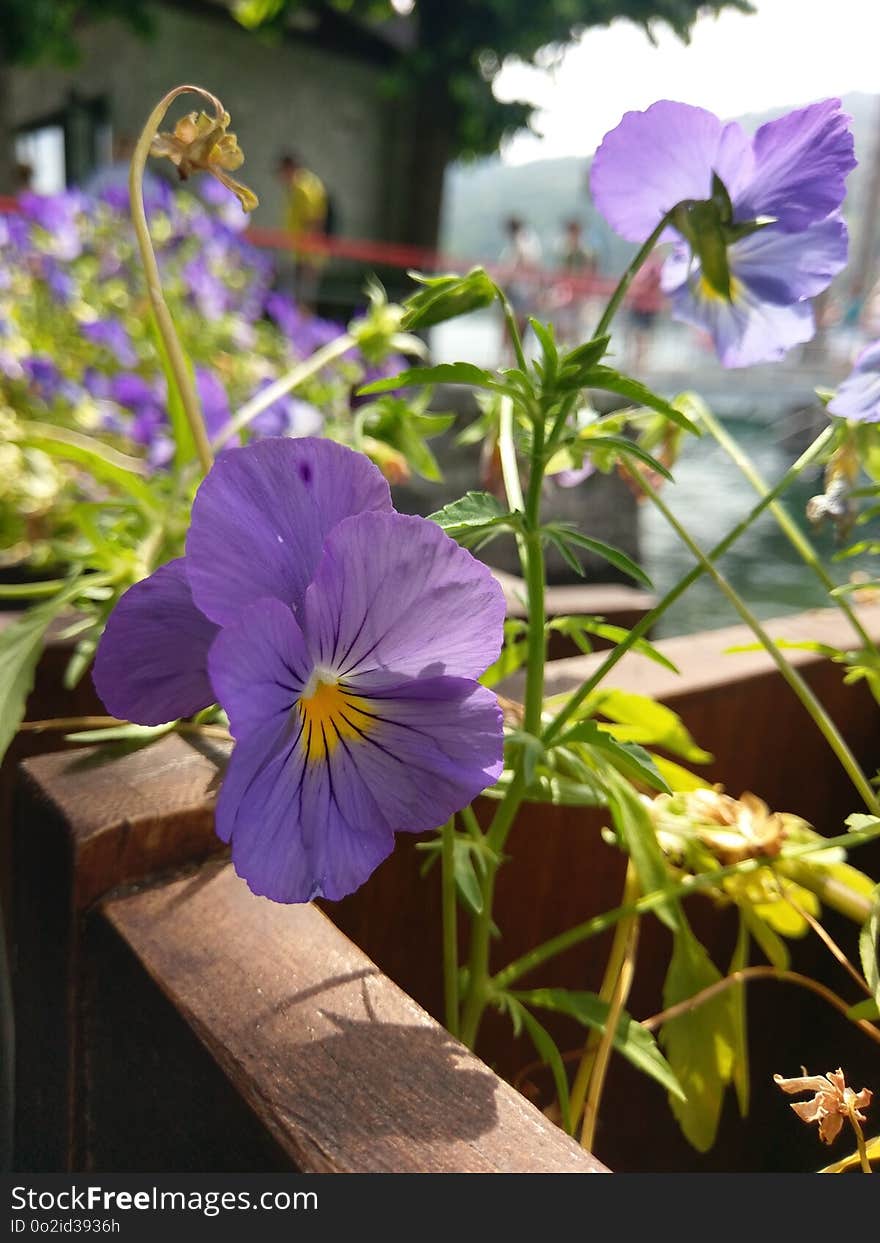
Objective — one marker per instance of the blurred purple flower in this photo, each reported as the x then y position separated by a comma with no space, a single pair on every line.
288,416
110,334
214,400
305,332
858,397
344,641
57,215
750,254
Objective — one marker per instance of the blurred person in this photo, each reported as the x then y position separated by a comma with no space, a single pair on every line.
645,301
304,214
576,263
519,262
24,178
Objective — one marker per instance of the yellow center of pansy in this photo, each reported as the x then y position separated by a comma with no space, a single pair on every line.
331,713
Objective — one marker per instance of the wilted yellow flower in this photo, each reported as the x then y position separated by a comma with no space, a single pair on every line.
732,829
833,1101
200,143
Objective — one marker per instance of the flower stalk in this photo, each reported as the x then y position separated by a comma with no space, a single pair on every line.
180,370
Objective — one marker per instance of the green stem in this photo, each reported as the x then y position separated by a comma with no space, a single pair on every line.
650,901
450,927
513,329
532,554
644,625
822,720
627,278
861,1146
283,385
176,359
789,527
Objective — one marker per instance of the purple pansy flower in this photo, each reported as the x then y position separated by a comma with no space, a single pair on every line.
751,250
858,397
343,640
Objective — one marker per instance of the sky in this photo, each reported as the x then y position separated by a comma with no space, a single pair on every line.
789,52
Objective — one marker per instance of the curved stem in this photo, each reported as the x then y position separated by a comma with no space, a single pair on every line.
760,973
789,527
650,901
627,278
176,358
284,384
861,1146
603,1054
450,927
823,721
643,626
617,957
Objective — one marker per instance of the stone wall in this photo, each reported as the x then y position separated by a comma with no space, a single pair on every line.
327,105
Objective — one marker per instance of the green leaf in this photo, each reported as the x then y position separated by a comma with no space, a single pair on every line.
442,373
466,879
867,1009
575,625
630,758
853,1161
611,381
700,1043
446,297
122,733
103,462
639,837
548,1053
184,441
770,942
739,1024
633,1041
560,534
475,517
582,358
620,446
643,720
868,946
531,749
20,647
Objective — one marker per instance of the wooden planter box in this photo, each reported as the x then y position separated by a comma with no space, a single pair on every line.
169,1020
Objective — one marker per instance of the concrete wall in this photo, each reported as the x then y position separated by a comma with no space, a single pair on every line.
287,94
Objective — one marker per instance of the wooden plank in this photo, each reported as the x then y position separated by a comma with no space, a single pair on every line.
343,1069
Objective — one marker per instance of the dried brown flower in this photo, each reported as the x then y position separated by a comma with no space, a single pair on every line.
832,1103
200,143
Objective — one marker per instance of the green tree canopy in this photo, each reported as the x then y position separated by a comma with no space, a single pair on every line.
35,30
459,47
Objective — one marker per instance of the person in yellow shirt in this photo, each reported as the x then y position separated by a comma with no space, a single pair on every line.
304,214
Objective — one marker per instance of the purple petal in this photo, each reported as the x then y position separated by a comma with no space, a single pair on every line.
259,666
858,397
423,751
801,163
151,663
290,840
262,515
395,597
657,158
786,267
746,330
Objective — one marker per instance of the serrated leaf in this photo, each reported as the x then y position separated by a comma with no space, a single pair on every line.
473,518
21,645
611,381
442,373
446,297
698,1044
631,1040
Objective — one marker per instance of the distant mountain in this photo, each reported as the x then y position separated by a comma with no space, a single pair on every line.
480,195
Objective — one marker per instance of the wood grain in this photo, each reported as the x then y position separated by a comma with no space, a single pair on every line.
343,1069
